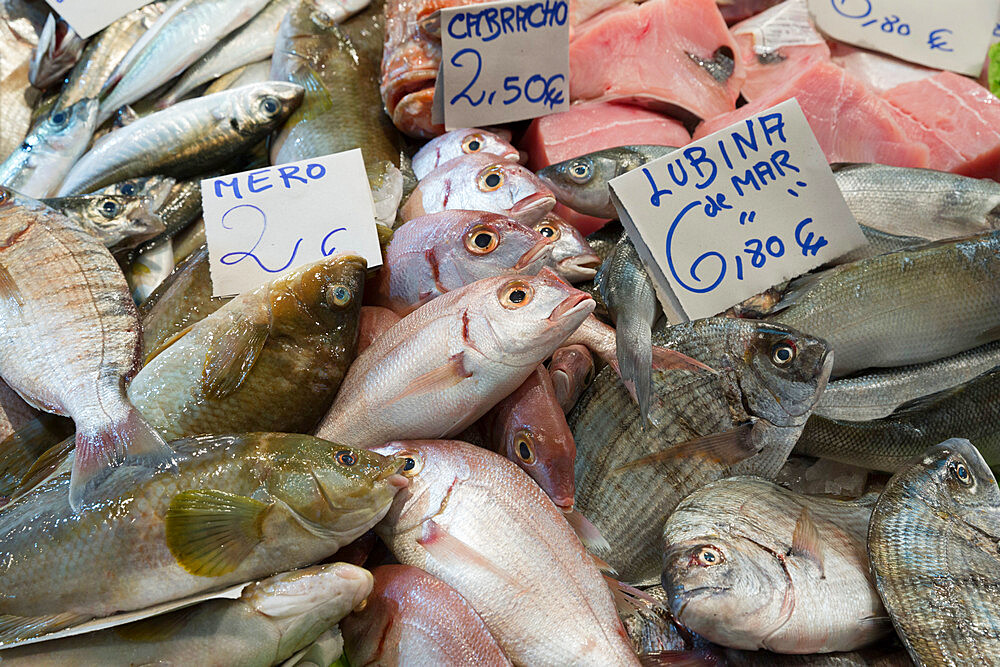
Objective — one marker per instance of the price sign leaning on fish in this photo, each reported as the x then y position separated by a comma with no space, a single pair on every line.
736,212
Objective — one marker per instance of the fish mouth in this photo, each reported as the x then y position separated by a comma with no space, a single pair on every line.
565,506
583,267
533,253
542,202
570,305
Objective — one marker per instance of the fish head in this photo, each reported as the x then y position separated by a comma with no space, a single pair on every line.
456,143
307,601
321,298
781,372
572,256
261,106
964,486
58,49
119,217
482,245
67,130
581,183
571,371
141,186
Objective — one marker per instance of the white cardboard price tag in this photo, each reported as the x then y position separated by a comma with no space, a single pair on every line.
734,213
263,223
502,62
87,17
951,35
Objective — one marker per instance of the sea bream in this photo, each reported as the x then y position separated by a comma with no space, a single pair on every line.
456,143
572,256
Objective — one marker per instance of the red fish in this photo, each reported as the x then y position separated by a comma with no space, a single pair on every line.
571,370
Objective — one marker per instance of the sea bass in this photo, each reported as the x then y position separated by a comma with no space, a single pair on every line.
572,256
456,143
475,521
445,364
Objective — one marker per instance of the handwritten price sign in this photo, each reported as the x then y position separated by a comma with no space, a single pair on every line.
502,62
950,35
736,212
87,17
262,223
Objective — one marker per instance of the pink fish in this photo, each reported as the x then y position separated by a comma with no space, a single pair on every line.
571,370
456,143
374,322
572,256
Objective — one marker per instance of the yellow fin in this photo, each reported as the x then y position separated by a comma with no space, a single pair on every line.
315,102
210,532
728,447
18,628
806,541
438,379
167,343
231,355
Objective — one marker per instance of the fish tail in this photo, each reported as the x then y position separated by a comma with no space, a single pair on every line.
634,349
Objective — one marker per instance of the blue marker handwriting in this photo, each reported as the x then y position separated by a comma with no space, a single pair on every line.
488,23
283,176
862,11
249,215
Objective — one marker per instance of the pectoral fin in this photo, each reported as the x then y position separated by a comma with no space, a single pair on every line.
231,355
210,532
449,550
439,379
728,448
19,628
9,291
167,343
806,540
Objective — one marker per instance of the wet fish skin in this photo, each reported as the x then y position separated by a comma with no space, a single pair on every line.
57,51
179,209
435,253
970,410
136,187
581,183
751,565
21,22
190,137
932,545
257,72
572,256
116,220
460,353
571,370
481,182
456,143
879,243
307,502
877,393
414,618
38,166
905,307
410,60
475,521
271,620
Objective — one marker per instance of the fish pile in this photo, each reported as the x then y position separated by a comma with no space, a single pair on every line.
493,449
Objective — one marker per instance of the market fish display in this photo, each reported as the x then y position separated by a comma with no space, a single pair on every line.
751,565
456,143
238,508
118,221
189,137
572,256
475,521
571,370
266,624
932,544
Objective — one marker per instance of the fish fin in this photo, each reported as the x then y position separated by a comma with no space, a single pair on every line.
438,379
20,450
231,355
806,541
629,600
211,532
130,442
666,359
728,447
9,291
317,100
156,628
588,533
167,343
45,465
603,565
634,350
798,287
695,658
18,628
449,550
877,623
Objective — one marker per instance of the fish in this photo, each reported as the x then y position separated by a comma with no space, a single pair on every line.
116,220
38,166
879,243
257,72
375,321
581,183
460,353
925,203
751,565
433,254
240,507
327,650
188,138
932,545
743,418
72,348
269,621
181,35
970,410
481,182
136,187
902,308
180,209
413,618
628,293
57,51
572,256
571,370
456,143
21,23
878,393
478,523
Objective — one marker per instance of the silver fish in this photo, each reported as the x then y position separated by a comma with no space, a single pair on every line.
57,51
572,257
118,221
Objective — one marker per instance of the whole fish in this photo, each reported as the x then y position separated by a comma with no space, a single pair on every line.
581,183
103,53
183,33
905,307
481,182
743,418
271,620
878,393
116,220
189,137
445,364
21,22
37,167
72,339
456,143
174,535
571,370
413,618
439,252
247,44
572,256
136,187
924,203
970,410
932,542
57,51
751,565
475,521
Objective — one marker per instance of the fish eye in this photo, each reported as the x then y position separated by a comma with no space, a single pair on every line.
472,144
491,178
783,353
127,189
412,463
708,556
959,470
270,105
345,457
548,230
515,294
110,208
338,295
524,447
4,195
59,118
482,240
580,171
